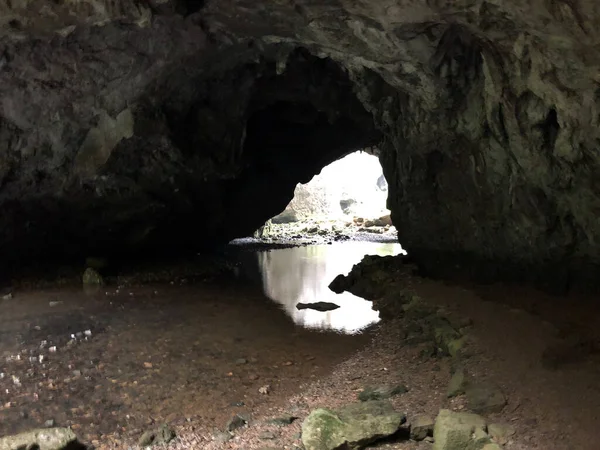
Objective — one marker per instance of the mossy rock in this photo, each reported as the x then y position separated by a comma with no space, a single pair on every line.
421,427
455,346
352,427
444,334
92,278
485,398
458,431
457,384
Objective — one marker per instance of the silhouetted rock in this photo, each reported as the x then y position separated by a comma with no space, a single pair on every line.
318,306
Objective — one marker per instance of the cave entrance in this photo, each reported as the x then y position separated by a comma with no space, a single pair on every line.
332,222
345,201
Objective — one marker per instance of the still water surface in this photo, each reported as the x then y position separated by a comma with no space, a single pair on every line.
303,274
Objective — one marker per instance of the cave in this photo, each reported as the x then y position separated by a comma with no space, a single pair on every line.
143,144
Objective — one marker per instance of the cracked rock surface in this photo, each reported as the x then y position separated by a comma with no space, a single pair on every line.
170,126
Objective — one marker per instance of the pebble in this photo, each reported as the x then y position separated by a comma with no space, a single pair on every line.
49,423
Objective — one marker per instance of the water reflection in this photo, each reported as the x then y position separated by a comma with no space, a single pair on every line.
303,274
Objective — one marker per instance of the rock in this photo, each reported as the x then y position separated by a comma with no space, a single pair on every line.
160,436
491,446
339,284
455,430
92,277
222,436
383,221
353,426
50,423
42,439
282,421
457,383
501,433
421,427
346,205
318,306
241,361
236,422
288,216
381,392
267,435
444,334
485,398
455,346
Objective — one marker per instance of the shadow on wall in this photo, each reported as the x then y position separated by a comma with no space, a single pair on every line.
303,274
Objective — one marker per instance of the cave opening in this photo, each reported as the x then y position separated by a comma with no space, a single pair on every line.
346,200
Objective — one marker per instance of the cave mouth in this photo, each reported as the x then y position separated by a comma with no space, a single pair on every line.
346,200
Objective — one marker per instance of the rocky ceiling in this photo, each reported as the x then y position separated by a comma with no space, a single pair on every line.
166,125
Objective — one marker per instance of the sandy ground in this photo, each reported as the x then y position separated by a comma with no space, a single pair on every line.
173,353
553,401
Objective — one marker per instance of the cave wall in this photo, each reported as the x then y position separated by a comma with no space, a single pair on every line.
156,125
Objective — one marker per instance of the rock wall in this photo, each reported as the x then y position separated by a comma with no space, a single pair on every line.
168,125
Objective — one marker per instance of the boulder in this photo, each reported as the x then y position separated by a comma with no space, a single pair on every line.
457,430
485,398
42,439
421,427
352,427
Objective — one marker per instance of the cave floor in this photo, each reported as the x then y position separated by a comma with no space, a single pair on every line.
151,354
190,355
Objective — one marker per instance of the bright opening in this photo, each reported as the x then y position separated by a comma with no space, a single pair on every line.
346,201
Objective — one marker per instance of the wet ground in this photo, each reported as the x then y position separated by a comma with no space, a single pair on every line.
111,363
194,349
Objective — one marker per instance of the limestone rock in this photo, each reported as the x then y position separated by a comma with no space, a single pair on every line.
421,427
42,439
457,384
381,392
160,436
501,433
353,426
485,398
287,216
92,278
455,430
